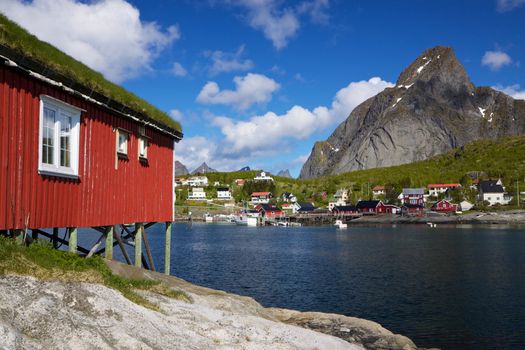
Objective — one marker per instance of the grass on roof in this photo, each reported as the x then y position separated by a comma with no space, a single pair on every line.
18,39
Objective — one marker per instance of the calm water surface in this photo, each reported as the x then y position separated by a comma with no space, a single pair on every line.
449,287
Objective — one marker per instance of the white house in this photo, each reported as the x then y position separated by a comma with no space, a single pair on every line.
224,193
378,191
466,206
338,203
436,189
197,194
261,197
262,176
288,197
493,192
341,195
198,181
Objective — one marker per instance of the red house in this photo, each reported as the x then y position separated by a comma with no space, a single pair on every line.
345,210
73,154
371,207
269,210
445,206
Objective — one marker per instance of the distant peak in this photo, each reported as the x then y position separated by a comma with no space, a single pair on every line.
440,63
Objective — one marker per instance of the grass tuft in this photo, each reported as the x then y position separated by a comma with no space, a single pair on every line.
43,262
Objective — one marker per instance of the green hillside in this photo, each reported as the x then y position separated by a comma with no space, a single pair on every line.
503,158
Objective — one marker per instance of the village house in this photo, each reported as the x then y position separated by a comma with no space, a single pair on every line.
345,210
224,193
287,207
78,151
435,190
261,197
197,194
378,191
413,196
444,206
466,206
198,181
181,182
269,210
303,208
493,192
288,197
371,207
341,195
262,176
240,182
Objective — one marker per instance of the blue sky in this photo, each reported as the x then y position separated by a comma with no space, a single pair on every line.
257,82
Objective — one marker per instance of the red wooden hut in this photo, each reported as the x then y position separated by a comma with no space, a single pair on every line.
74,156
445,206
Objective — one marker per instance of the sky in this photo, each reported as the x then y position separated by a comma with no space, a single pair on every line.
257,82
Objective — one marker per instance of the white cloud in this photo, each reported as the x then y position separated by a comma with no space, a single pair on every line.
176,114
179,70
278,23
512,90
508,5
249,90
298,122
223,62
495,59
107,35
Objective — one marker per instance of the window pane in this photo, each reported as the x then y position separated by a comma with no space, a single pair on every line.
65,140
123,142
48,137
143,146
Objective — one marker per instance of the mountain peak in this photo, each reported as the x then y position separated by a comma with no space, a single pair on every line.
285,173
437,63
203,169
180,169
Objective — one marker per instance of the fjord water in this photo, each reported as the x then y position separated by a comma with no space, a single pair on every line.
449,287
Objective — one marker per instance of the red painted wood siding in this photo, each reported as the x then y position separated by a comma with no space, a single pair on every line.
103,195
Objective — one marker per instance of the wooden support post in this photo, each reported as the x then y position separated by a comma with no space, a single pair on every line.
122,247
73,231
167,251
148,250
109,242
139,228
55,237
34,235
19,236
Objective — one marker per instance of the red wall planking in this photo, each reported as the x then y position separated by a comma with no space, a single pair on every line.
103,195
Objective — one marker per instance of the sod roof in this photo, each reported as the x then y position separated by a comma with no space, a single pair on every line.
27,45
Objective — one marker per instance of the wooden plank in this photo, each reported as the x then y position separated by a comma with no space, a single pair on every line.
148,250
167,249
109,243
60,240
122,247
139,229
73,232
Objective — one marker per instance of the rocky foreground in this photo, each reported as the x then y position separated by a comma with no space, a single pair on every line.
36,314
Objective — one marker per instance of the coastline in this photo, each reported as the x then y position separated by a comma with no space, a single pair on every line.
62,314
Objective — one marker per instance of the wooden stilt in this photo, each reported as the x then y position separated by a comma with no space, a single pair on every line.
55,237
93,249
19,236
109,243
148,250
167,249
60,240
122,247
139,229
34,235
72,239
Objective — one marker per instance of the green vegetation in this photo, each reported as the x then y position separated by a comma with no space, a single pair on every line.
503,158
18,39
43,262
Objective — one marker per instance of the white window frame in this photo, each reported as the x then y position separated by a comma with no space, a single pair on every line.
119,152
59,107
146,146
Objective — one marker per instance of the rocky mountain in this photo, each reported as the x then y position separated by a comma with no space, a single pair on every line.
433,108
180,169
285,173
203,169
246,168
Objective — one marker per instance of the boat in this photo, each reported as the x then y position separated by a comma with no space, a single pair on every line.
208,218
339,224
431,224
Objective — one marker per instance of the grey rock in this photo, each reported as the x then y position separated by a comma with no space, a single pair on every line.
285,173
180,169
203,169
433,108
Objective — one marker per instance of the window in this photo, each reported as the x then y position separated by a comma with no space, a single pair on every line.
143,148
58,138
122,142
